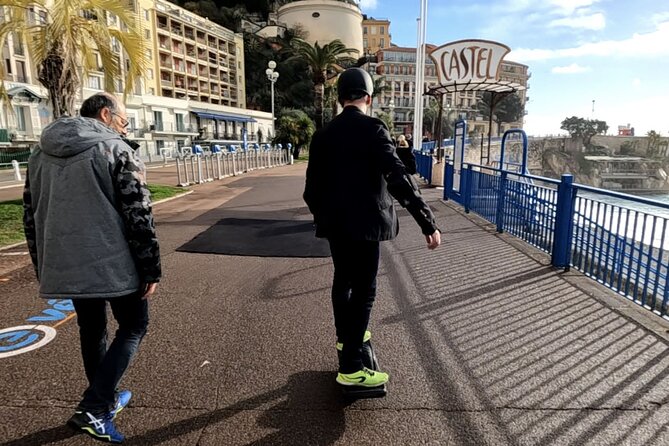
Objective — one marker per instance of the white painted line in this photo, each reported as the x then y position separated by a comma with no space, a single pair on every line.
3,248
14,253
173,198
47,333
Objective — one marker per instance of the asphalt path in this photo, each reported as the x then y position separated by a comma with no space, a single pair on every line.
485,344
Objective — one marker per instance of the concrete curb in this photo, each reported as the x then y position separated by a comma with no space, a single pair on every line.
165,200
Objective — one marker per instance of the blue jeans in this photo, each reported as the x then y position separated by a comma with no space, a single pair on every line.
105,367
356,263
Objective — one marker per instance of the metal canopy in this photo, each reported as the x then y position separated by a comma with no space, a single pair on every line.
493,85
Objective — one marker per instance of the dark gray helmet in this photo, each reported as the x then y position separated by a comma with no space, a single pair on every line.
354,83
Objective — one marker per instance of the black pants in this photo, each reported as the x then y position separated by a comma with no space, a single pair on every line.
105,367
356,263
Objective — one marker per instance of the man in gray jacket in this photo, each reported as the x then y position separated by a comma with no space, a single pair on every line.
91,236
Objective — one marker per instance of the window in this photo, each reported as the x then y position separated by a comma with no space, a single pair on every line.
8,66
365,44
132,123
20,118
21,72
149,54
383,30
160,144
383,42
373,29
149,73
180,122
146,14
94,82
158,119
147,34
364,30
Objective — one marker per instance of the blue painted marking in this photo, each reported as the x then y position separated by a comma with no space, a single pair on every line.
17,339
51,315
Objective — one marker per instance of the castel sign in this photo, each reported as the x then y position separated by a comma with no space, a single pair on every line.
469,61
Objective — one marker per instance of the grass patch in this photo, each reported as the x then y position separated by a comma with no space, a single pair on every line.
11,213
11,222
160,192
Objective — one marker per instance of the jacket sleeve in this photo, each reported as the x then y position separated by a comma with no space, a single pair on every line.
314,187
135,208
400,185
29,224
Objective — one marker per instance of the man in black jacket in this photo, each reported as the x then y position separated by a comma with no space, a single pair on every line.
353,171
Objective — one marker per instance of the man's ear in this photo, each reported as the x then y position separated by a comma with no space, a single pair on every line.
368,101
105,115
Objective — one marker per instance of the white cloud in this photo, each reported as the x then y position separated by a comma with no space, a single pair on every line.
368,4
650,44
636,83
660,17
567,7
570,69
592,21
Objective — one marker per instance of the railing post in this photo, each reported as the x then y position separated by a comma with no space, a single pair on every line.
500,202
17,171
467,192
564,214
448,180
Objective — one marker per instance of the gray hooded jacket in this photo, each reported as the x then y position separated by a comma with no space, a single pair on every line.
87,213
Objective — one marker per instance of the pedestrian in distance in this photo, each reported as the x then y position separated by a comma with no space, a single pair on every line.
352,175
90,232
405,154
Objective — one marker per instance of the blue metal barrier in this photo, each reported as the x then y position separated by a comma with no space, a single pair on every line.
424,165
601,233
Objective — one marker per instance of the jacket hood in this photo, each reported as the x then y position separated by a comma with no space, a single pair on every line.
68,137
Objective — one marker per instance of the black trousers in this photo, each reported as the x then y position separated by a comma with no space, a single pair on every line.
105,367
356,263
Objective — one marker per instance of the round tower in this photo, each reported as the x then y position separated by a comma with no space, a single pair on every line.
325,21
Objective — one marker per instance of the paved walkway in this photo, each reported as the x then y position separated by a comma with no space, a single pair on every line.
486,344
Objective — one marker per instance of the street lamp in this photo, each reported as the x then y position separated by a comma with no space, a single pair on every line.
272,76
391,107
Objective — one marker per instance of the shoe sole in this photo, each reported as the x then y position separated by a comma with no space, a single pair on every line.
91,433
368,386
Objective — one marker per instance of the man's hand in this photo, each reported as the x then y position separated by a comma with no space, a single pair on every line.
148,289
433,240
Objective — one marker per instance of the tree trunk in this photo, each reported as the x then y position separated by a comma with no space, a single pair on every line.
319,90
60,83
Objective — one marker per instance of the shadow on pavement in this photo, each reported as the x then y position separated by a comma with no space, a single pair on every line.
46,436
297,416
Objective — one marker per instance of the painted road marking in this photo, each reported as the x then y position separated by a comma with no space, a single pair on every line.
24,338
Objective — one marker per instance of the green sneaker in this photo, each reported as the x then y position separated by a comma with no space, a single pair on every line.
364,378
367,337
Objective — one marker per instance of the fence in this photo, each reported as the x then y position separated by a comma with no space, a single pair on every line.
424,165
8,157
197,168
617,239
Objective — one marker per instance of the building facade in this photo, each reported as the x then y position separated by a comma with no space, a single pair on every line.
375,35
192,92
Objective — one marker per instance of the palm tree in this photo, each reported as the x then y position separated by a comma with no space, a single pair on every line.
65,43
380,87
324,63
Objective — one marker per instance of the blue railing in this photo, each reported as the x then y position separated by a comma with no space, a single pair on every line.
424,165
430,145
617,239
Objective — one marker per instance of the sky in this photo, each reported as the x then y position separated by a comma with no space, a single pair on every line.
612,52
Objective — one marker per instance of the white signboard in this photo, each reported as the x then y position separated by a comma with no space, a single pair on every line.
469,61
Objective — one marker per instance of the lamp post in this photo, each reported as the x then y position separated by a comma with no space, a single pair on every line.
272,76
391,107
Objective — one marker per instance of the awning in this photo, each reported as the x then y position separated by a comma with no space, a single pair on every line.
220,117
25,91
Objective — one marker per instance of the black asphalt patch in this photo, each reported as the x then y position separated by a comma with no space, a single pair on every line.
260,238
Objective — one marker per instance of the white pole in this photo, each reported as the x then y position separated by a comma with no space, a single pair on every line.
17,170
273,129
420,75
416,107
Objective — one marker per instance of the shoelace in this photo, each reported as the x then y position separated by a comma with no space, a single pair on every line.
98,423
